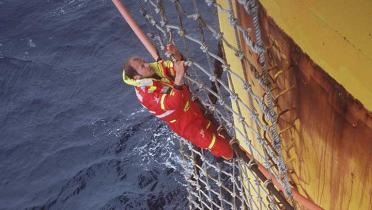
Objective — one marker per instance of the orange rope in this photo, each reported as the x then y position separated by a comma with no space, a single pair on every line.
137,30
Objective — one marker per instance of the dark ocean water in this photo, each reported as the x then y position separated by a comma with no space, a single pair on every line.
72,135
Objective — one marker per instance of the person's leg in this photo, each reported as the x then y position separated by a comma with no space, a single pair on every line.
222,148
204,135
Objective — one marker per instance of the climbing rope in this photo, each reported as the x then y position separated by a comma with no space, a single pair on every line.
236,184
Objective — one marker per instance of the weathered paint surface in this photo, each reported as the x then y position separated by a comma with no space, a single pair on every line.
326,132
336,34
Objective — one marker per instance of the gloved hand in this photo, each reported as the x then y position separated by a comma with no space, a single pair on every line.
172,50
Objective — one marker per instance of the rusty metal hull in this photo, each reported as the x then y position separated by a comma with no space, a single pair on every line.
326,132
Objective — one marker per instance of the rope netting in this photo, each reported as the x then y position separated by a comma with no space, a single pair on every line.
193,26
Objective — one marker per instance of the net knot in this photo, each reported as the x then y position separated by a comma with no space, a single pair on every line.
212,78
233,21
212,108
251,163
181,32
218,35
195,16
239,54
225,67
267,163
188,63
220,101
204,48
241,119
152,21
219,184
209,2
233,141
234,96
162,23
267,182
247,87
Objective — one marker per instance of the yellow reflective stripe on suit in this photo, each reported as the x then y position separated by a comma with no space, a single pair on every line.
172,93
213,142
162,105
187,106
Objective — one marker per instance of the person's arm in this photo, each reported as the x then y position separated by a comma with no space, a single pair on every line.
173,51
179,95
179,67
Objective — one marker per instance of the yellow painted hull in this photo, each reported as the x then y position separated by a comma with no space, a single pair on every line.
336,34
320,58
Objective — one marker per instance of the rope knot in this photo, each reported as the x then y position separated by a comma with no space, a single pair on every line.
247,87
233,141
181,32
220,101
251,163
233,21
188,63
162,23
267,182
225,67
241,119
212,108
267,163
195,16
239,54
212,78
204,48
218,35
209,2
152,22
234,96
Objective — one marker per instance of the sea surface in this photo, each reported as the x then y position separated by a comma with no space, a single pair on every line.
72,135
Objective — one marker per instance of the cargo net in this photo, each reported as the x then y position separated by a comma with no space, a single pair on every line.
238,184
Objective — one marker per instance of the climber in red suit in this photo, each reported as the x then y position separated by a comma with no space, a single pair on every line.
160,88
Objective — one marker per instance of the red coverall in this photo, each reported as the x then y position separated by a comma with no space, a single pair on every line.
183,116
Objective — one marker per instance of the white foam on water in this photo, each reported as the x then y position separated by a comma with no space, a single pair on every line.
68,7
31,43
57,12
141,110
1,44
